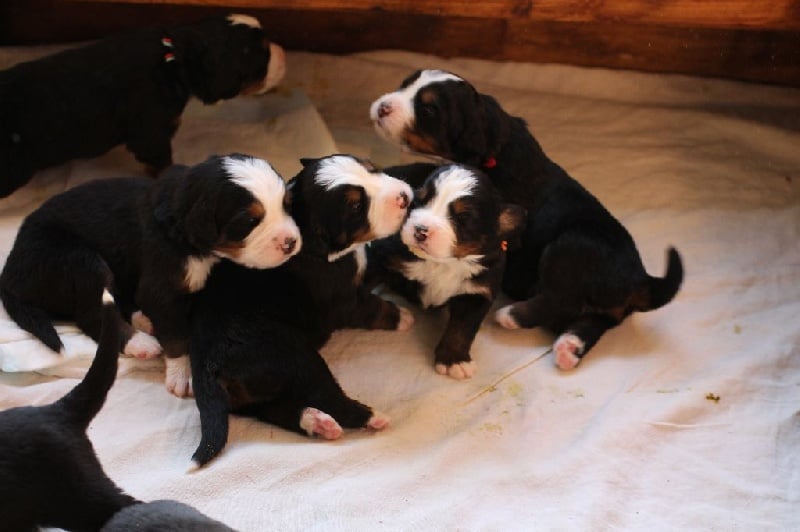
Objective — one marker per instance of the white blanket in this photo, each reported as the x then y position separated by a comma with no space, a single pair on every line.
686,417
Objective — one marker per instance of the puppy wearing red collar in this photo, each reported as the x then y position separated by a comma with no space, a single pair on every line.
151,244
578,272
126,89
256,334
450,252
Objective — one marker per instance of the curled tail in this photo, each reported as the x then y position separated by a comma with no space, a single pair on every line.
658,291
32,319
84,401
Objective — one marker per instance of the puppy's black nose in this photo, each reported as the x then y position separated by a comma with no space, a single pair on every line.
289,245
420,233
402,200
384,109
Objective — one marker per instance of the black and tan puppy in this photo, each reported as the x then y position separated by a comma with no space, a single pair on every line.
126,89
151,244
578,272
450,252
49,472
257,333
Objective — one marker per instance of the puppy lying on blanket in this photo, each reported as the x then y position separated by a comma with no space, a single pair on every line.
49,472
450,251
578,271
257,333
151,243
126,89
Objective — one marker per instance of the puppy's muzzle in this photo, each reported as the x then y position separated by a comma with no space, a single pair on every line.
384,109
420,233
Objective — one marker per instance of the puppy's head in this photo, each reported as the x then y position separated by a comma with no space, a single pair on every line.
457,214
438,113
348,202
226,57
232,206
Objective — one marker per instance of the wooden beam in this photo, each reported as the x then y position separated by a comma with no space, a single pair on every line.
729,14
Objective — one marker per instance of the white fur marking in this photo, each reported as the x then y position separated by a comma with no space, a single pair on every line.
385,216
443,280
505,319
378,421
406,319
262,247
107,297
316,422
142,345
247,20
197,271
361,261
567,348
458,371
178,378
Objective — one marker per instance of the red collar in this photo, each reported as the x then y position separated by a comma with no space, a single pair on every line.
490,162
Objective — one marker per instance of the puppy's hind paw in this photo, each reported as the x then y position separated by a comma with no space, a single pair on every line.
318,423
378,421
505,319
142,345
406,319
178,379
568,350
458,371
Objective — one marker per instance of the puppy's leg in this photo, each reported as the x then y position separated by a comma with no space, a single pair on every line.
178,378
150,141
373,312
452,352
533,312
580,336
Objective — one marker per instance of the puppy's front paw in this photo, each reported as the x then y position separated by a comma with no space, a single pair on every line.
505,319
406,319
378,421
318,423
179,376
458,371
142,345
568,350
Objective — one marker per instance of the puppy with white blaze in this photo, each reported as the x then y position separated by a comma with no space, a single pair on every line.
256,334
128,89
450,252
150,243
578,272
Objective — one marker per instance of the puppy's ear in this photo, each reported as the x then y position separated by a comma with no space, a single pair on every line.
511,222
200,225
307,161
486,132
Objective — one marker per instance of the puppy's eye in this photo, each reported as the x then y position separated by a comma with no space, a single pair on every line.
356,206
429,110
252,221
463,217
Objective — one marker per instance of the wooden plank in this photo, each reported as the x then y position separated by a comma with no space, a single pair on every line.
765,56
753,14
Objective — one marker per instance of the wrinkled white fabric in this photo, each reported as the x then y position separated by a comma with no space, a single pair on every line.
682,418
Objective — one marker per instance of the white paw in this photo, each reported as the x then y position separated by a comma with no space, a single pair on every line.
141,322
142,345
317,422
459,371
504,318
179,376
378,421
406,319
567,349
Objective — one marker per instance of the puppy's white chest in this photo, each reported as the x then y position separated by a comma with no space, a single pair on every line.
197,271
443,280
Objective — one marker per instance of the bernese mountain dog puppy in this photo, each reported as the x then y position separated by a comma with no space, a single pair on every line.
49,472
151,244
256,334
126,89
578,272
450,252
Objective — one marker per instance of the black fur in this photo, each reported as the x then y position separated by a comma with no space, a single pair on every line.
131,236
257,333
162,516
82,102
578,271
483,226
49,473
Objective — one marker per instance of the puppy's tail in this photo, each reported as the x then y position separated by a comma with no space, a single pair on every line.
214,405
660,290
32,319
85,400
